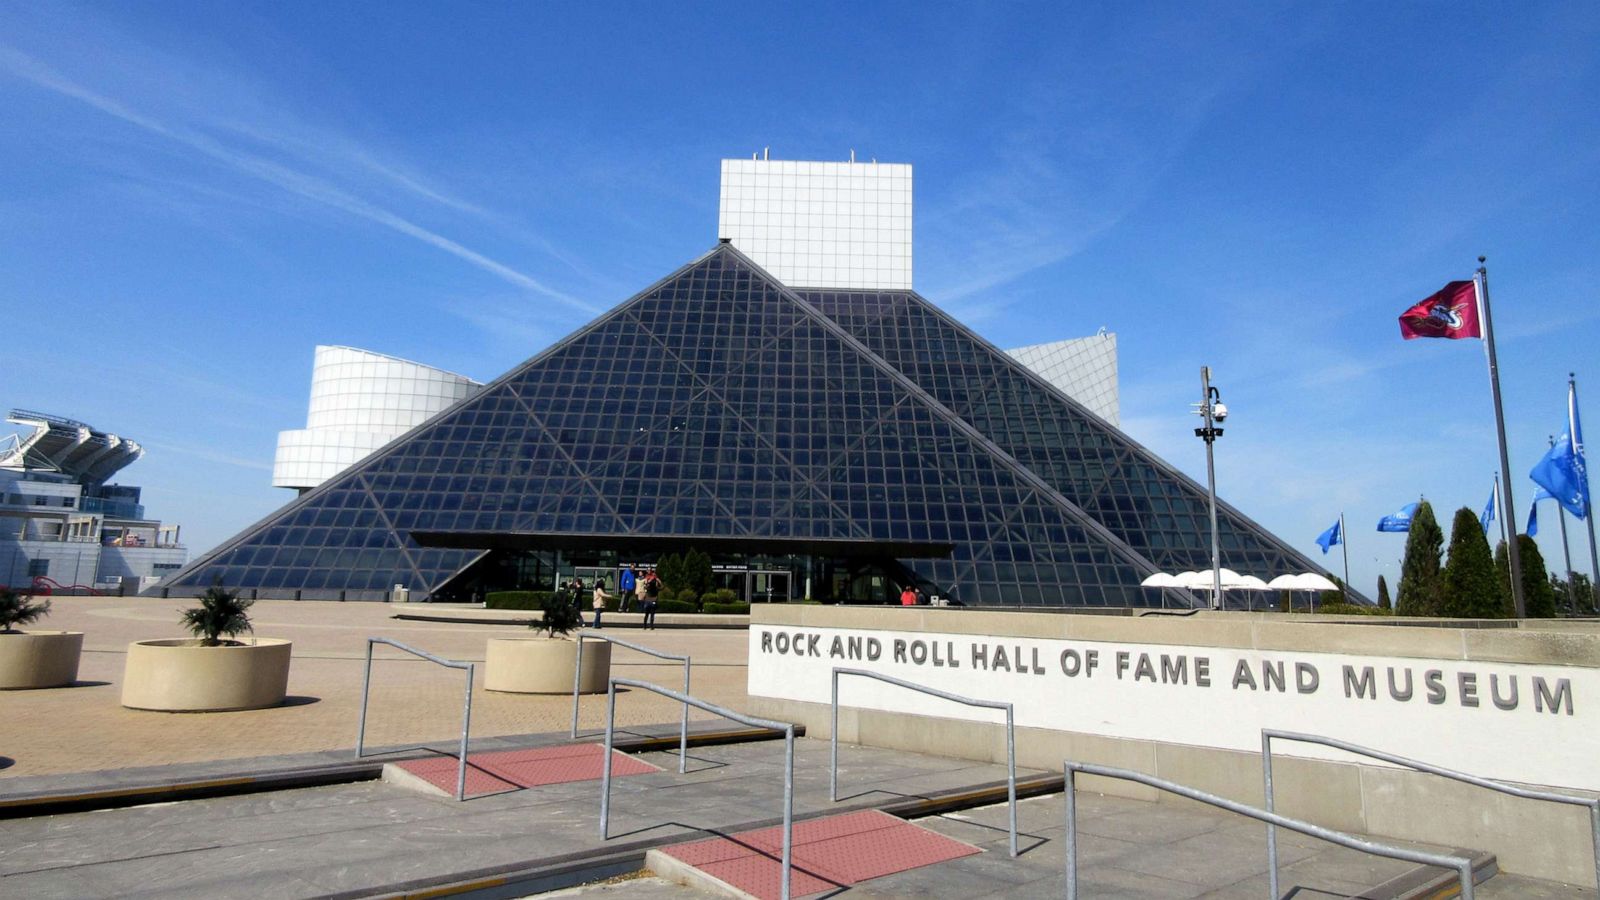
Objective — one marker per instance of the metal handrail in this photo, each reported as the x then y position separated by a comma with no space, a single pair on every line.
1011,736
466,715
1267,734
1461,864
577,678
788,759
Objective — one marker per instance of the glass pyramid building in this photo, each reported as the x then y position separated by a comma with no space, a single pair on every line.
857,440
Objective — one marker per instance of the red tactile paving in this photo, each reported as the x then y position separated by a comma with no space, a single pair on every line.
508,770
828,853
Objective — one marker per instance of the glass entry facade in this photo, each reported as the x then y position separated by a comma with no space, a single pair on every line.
866,432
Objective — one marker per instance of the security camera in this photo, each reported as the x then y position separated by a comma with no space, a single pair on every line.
1219,411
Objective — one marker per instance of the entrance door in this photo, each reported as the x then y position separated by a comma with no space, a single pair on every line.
590,574
768,586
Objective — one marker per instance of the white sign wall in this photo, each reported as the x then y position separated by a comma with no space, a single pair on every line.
1528,723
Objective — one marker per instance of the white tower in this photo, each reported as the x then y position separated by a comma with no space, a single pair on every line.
821,224
360,401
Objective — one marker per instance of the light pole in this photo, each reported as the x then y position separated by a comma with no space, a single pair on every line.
1213,411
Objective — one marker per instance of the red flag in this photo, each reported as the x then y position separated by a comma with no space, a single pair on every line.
1451,313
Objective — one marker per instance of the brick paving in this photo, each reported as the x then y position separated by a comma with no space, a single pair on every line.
85,728
509,770
826,854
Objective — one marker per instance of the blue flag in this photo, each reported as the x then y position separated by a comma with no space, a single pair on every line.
1400,521
1329,538
1563,472
1488,511
1539,493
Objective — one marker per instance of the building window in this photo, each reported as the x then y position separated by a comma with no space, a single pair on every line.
38,567
67,502
40,500
165,567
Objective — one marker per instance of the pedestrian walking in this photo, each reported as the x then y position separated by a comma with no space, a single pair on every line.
625,587
652,593
575,597
599,602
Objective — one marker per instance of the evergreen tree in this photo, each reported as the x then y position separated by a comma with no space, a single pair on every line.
1581,594
669,569
1420,582
1575,598
1502,577
1538,598
697,571
1383,594
1337,595
1471,586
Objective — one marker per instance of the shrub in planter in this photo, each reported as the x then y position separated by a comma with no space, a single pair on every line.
675,606
17,610
560,616
667,594
687,595
214,672
221,612
728,609
720,595
34,659
544,665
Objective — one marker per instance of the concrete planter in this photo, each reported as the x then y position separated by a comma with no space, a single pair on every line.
183,676
39,659
544,665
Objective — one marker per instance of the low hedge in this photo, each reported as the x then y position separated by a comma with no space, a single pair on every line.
728,609
1337,608
527,600
674,606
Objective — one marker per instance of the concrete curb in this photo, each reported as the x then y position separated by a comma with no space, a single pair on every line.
370,768
523,618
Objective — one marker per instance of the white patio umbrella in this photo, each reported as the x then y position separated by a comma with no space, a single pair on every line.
1311,581
1205,579
1160,580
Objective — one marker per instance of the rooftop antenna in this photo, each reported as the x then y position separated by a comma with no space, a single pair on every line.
852,154
754,155
766,153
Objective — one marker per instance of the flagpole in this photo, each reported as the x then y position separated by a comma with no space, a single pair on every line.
1344,544
1482,282
1572,435
1500,512
1566,551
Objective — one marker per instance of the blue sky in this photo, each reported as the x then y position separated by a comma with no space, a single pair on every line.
192,196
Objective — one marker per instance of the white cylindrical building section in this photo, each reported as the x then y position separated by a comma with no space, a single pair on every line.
360,401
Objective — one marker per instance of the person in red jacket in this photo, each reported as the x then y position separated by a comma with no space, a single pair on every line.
908,597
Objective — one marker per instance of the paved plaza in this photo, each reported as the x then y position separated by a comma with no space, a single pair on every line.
86,728
375,838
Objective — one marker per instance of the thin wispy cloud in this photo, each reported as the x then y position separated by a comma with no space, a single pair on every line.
296,182
207,454
515,326
322,148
